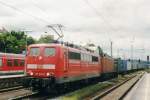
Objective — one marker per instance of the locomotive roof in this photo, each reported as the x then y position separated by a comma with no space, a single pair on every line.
11,54
45,44
61,45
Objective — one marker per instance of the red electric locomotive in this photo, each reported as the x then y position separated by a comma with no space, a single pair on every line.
11,68
49,64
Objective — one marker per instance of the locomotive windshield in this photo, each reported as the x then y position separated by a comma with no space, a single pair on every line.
49,51
35,51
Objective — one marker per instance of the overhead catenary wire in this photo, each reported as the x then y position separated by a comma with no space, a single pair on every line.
102,18
23,12
35,17
60,34
37,6
98,14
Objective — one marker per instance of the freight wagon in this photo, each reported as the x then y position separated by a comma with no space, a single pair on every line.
121,65
125,66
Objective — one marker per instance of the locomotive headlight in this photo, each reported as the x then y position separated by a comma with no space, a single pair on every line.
40,58
31,73
47,74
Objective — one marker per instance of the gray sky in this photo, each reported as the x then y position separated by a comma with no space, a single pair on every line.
124,22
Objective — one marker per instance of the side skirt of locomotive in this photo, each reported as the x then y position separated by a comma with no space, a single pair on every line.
51,83
106,76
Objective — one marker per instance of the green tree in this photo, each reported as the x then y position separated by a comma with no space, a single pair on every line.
46,39
14,42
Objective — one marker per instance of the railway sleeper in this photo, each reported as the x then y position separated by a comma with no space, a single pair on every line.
11,82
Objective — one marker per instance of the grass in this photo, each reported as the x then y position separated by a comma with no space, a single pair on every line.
147,70
82,93
90,90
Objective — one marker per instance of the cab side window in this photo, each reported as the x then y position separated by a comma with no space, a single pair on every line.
74,55
94,59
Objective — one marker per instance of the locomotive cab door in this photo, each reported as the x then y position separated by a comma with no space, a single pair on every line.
66,60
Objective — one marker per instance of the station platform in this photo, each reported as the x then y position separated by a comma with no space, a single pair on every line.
141,91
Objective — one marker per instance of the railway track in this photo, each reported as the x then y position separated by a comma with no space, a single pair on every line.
118,92
20,93
26,96
14,93
10,89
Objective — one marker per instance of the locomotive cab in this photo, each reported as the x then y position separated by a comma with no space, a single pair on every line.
41,61
41,65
